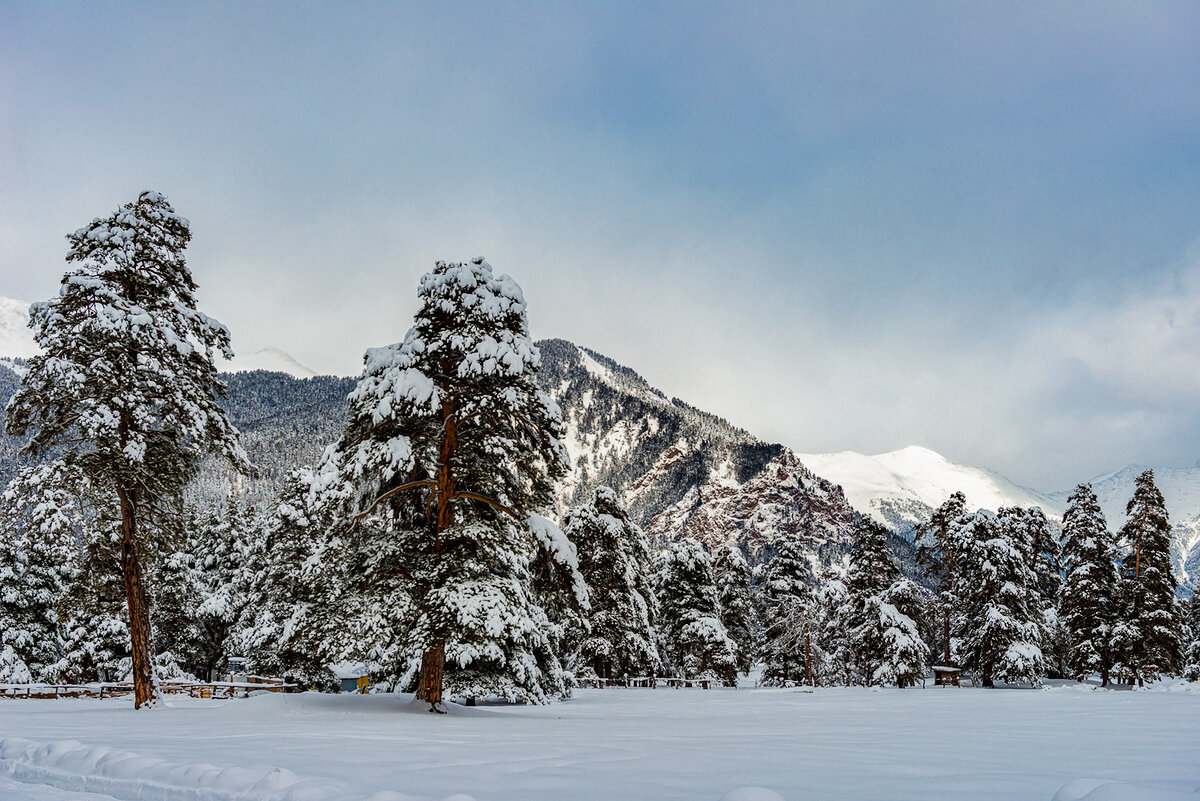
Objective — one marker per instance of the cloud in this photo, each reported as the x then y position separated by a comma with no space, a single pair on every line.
853,225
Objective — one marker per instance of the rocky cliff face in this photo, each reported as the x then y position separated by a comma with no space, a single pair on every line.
680,471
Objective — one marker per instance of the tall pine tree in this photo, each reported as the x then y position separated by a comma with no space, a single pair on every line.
1087,599
450,452
1152,642
872,571
125,386
735,593
935,539
698,645
999,623
790,617
614,558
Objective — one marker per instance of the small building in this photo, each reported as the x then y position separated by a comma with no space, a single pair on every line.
946,676
352,677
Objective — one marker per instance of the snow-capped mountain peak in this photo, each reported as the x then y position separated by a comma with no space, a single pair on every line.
273,360
16,339
901,487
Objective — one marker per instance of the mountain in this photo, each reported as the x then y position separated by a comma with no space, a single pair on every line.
16,340
272,360
680,471
901,488
1180,487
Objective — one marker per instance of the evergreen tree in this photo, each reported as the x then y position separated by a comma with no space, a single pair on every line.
935,540
999,624
95,614
735,582
614,558
38,526
829,648
899,654
1150,642
697,643
173,607
294,623
222,553
865,621
1030,531
125,383
790,617
1088,593
449,453
1191,666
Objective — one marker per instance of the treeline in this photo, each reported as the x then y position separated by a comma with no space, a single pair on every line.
1008,602
416,543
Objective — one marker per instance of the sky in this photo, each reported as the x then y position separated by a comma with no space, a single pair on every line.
973,227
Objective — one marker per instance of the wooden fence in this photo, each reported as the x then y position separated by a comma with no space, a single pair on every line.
651,682
196,689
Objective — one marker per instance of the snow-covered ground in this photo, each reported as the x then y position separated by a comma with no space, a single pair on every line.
1067,743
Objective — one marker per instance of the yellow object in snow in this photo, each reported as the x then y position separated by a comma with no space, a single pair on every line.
363,683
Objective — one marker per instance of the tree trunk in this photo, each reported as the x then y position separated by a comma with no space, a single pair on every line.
946,640
145,681
433,661
808,672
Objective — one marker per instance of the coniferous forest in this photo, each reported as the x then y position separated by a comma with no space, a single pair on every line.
435,529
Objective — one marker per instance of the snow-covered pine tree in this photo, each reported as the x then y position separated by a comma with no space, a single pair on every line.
829,646
1088,594
1191,660
1147,588
790,617
561,592
1045,555
690,615
450,452
295,622
223,557
176,582
735,593
95,614
865,621
615,561
38,562
1031,531
935,554
124,385
902,657
999,624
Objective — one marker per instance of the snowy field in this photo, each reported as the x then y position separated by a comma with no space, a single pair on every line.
838,743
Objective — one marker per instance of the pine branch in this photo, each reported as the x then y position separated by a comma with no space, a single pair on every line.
483,499
391,492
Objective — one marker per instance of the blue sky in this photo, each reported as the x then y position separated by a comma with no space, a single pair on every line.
970,226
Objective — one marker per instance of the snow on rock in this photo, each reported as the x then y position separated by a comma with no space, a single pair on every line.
900,488
783,499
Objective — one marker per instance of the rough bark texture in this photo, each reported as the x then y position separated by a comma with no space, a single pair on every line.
145,684
433,660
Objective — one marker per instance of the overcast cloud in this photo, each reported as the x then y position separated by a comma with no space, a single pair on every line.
974,227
